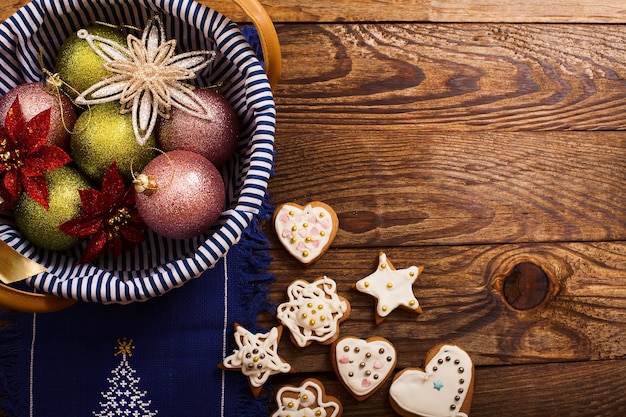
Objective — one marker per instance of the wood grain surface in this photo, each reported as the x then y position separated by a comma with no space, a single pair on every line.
470,147
482,140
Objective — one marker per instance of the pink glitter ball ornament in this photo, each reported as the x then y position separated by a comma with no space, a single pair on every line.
33,100
214,139
185,196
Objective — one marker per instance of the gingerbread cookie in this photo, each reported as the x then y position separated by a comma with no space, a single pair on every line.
309,399
443,388
256,356
306,232
313,312
363,366
391,287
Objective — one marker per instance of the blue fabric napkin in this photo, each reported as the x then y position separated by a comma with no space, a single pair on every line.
154,358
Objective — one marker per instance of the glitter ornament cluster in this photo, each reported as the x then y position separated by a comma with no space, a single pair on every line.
130,83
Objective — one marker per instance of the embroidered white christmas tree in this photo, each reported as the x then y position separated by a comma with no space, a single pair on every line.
123,396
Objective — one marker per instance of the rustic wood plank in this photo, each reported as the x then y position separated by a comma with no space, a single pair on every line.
460,291
583,389
397,187
566,11
513,11
455,77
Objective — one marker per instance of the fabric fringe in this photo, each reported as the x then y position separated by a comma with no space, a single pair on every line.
253,291
9,352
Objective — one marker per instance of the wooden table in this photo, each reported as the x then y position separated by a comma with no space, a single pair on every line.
482,140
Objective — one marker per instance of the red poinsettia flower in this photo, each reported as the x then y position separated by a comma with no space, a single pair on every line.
25,156
109,217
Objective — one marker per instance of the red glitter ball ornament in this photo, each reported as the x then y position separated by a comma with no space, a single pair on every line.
34,100
183,197
214,139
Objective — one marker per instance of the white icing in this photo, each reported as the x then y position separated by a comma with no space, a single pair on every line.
364,365
304,232
304,401
257,356
392,288
313,310
440,389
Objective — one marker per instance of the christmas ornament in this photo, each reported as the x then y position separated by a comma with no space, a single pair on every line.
34,99
40,226
103,135
214,139
148,77
78,65
25,156
181,194
110,218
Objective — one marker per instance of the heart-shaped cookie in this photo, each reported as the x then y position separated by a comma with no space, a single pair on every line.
363,366
306,232
443,388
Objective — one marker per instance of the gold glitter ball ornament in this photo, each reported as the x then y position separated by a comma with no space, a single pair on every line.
102,135
39,226
79,66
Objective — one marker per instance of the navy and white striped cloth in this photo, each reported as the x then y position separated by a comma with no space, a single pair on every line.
158,264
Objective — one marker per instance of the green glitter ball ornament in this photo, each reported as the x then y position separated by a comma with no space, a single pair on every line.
103,135
39,226
78,65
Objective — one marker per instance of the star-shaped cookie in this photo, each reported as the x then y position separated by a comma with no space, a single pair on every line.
256,356
391,287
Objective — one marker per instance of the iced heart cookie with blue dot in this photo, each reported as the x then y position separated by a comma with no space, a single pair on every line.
443,388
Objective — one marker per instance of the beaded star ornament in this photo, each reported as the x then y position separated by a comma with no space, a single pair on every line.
149,78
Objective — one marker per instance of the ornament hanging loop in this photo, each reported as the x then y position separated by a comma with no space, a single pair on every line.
146,184
120,26
53,85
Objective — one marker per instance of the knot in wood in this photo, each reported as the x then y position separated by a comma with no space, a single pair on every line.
526,286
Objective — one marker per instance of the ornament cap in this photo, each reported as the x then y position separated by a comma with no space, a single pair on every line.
145,184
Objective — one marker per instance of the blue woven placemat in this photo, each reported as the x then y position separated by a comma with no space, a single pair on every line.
156,358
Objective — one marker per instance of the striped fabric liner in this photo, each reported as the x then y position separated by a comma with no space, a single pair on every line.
158,264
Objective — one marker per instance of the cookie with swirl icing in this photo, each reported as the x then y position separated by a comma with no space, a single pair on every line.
313,311
309,399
